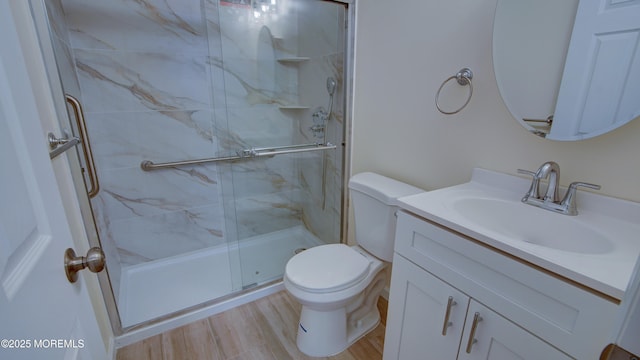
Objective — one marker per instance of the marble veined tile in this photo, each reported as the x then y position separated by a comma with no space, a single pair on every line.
239,34
313,82
321,221
264,176
244,82
248,56
155,237
320,27
262,214
62,49
112,258
57,22
261,125
128,81
131,192
141,25
212,21
124,139
66,67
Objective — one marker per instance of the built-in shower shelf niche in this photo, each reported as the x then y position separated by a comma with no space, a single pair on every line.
293,107
293,60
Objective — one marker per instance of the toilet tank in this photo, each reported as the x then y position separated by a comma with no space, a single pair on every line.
374,199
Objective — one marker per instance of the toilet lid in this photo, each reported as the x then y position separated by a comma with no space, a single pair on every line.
327,268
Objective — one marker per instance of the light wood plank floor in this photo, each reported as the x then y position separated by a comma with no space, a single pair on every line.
262,330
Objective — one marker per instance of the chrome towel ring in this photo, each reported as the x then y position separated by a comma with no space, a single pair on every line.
463,77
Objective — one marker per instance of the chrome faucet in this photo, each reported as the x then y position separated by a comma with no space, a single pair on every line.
549,169
551,201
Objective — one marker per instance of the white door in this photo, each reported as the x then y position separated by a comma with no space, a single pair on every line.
600,88
42,315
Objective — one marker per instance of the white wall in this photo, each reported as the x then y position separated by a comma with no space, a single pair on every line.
404,50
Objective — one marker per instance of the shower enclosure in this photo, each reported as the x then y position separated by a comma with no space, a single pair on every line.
210,167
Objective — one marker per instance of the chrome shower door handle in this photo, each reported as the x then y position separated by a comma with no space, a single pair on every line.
86,146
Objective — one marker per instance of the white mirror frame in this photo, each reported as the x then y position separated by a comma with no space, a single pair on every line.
530,44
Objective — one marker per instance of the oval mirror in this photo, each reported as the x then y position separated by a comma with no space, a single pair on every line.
568,70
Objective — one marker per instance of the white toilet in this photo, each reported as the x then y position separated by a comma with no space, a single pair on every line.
337,285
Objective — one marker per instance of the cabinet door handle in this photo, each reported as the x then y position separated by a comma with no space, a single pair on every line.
447,323
476,319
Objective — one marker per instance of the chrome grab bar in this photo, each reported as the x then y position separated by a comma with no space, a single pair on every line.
86,146
244,154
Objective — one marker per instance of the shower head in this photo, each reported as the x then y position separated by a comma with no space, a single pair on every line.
331,85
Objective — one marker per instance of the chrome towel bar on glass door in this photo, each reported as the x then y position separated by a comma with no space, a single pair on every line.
241,155
86,145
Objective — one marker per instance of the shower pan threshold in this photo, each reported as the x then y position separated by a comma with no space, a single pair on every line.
206,274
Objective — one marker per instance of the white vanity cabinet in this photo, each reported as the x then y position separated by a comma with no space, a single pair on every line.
422,324
523,311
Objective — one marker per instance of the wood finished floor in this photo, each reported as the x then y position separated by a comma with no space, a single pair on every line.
262,330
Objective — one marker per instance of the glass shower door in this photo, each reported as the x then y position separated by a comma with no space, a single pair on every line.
175,80
276,57
142,72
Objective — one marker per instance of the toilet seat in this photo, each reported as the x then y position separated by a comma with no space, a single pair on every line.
327,268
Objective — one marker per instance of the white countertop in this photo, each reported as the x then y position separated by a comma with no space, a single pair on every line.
618,220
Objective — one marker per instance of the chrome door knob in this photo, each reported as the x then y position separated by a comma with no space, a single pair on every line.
94,261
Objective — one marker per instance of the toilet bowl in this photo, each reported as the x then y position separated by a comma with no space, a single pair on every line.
338,285
329,321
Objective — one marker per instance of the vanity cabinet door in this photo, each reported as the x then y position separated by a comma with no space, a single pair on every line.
419,309
422,322
489,336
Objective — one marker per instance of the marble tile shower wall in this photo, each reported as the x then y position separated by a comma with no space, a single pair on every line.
146,91
323,41
265,193
169,80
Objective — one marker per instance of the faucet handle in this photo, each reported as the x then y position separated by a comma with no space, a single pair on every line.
527,172
575,185
569,201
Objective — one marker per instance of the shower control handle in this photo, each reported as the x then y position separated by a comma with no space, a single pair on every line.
94,261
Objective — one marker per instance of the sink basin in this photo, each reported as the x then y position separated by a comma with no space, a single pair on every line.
598,248
525,223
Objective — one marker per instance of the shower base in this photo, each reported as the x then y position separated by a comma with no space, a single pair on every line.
161,287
